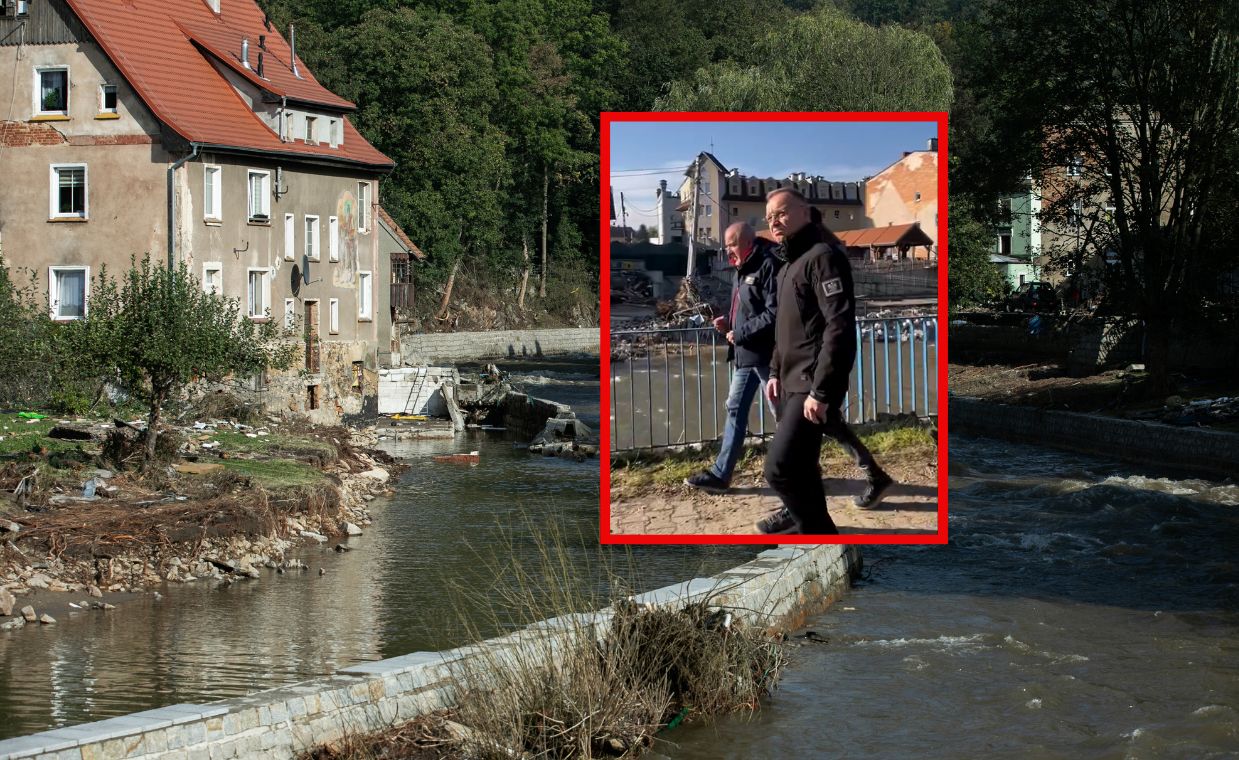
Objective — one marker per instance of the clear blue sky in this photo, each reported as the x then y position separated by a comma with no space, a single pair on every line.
642,153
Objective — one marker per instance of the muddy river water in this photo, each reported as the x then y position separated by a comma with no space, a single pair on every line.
1080,611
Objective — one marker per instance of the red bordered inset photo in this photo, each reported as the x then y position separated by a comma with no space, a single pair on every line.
807,247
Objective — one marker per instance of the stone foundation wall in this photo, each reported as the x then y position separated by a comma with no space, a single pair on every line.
1153,444
525,416
279,723
430,348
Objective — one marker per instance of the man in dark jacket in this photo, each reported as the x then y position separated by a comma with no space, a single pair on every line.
815,348
749,327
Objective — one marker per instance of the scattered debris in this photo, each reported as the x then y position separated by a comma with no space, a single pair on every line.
473,457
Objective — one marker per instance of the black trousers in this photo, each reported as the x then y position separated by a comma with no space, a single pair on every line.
793,461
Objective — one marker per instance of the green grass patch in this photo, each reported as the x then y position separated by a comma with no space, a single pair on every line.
274,474
21,436
671,468
275,443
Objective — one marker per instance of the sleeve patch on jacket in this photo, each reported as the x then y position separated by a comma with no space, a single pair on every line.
750,279
833,286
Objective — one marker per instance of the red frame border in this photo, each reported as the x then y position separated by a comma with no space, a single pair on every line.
604,523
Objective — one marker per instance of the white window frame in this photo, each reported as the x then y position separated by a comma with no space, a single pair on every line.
335,134
53,200
310,123
312,234
212,193
363,207
290,313
1076,167
263,309
103,108
333,316
290,237
23,8
36,96
52,302
365,296
218,268
333,238
264,201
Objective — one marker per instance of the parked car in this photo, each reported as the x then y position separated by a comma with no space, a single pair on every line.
1036,297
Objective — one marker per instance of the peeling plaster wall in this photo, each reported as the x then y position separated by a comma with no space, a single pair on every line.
890,195
125,166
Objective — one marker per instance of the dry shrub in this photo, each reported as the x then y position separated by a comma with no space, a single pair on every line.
591,686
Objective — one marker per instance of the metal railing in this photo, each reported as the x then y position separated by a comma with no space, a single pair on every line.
669,387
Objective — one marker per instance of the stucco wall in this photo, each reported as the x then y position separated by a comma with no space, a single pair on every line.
890,195
126,183
281,722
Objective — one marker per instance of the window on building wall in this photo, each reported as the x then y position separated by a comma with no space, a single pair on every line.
259,196
1109,212
212,193
51,91
918,197
311,237
14,8
69,198
709,210
334,130
309,129
365,295
363,206
836,213
213,277
107,98
258,294
1075,217
290,313
68,289
333,316
1076,167
290,237
333,238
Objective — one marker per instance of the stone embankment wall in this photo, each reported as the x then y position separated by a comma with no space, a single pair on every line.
1207,452
524,416
279,723
456,346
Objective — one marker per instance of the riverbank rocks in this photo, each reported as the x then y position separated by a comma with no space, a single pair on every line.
7,600
47,619
39,581
28,614
377,474
319,537
350,529
13,624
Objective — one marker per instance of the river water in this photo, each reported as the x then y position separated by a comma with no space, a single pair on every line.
1080,611
433,548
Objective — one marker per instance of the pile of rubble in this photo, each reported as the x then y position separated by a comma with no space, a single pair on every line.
1202,412
631,286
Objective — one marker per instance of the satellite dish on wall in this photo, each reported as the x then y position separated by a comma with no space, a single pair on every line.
296,280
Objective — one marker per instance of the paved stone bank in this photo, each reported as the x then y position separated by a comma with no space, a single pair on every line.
457,346
281,722
1208,452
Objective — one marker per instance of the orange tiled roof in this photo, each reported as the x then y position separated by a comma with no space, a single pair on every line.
400,234
152,42
881,237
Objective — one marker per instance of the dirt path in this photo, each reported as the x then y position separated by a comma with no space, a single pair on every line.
910,507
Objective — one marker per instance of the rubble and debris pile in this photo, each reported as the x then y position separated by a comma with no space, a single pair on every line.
632,286
1201,412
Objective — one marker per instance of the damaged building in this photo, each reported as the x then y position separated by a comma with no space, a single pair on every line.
190,131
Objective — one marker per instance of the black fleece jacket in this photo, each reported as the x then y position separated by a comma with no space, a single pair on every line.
815,327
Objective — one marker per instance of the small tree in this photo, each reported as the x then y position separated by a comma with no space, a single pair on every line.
158,330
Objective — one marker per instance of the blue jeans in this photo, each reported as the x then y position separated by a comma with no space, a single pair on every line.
745,383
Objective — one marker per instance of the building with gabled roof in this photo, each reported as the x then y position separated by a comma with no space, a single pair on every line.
190,131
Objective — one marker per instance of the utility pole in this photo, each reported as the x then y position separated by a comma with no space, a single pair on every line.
624,217
692,233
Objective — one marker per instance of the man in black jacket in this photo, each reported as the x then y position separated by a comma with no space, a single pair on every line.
815,348
749,328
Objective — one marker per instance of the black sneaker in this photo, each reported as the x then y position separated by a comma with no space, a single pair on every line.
878,486
706,481
779,522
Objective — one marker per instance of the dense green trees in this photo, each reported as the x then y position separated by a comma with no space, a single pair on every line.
491,110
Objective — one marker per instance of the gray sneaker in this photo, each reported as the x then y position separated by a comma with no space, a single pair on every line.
779,522
878,486
706,481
